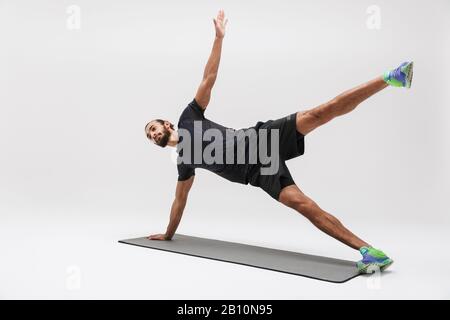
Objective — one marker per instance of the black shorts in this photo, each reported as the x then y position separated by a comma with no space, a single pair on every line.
291,145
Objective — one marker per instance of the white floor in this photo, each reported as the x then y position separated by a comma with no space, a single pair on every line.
52,255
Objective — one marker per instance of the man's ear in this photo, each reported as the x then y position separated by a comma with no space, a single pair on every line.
167,125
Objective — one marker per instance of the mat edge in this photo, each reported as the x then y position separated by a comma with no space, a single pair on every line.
238,263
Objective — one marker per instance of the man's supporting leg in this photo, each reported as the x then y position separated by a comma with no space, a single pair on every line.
309,120
294,198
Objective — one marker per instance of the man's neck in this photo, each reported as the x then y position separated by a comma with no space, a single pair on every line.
173,139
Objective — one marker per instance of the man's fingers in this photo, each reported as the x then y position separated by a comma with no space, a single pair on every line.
220,15
220,23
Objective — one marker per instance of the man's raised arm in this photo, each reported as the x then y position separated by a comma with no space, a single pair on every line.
176,212
210,74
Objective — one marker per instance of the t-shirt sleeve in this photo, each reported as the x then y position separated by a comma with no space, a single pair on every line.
197,108
185,172
191,112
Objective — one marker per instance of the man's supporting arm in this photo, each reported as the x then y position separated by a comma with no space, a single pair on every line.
176,211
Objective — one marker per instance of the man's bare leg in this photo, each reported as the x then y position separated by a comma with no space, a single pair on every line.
294,198
309,120
306,122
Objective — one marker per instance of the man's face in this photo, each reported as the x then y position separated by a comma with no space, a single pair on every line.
158,133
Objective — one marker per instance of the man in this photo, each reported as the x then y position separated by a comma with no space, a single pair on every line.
287,133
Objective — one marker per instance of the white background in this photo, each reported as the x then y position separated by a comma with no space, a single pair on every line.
77,172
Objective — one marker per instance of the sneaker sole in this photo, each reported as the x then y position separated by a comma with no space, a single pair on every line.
373,266
409,74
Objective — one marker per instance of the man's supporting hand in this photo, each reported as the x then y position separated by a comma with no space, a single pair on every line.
158,237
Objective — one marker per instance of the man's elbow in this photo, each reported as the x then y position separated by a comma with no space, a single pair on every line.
209,79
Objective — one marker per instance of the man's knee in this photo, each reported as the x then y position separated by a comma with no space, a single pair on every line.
301,203
310,116
310,119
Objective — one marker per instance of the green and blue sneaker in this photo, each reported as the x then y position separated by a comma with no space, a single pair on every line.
401,76
373,259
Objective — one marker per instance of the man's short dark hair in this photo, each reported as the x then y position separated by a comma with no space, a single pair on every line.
162,122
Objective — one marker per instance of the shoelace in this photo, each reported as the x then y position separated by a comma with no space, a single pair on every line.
398,74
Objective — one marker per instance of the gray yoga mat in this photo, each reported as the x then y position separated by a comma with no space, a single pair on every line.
316,267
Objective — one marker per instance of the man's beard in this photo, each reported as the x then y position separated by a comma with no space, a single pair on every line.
164,139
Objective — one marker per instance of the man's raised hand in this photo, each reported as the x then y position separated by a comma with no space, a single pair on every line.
220,23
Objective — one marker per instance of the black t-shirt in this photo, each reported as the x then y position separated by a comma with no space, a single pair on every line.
235,171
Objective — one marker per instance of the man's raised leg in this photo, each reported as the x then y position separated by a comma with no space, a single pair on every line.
309,120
